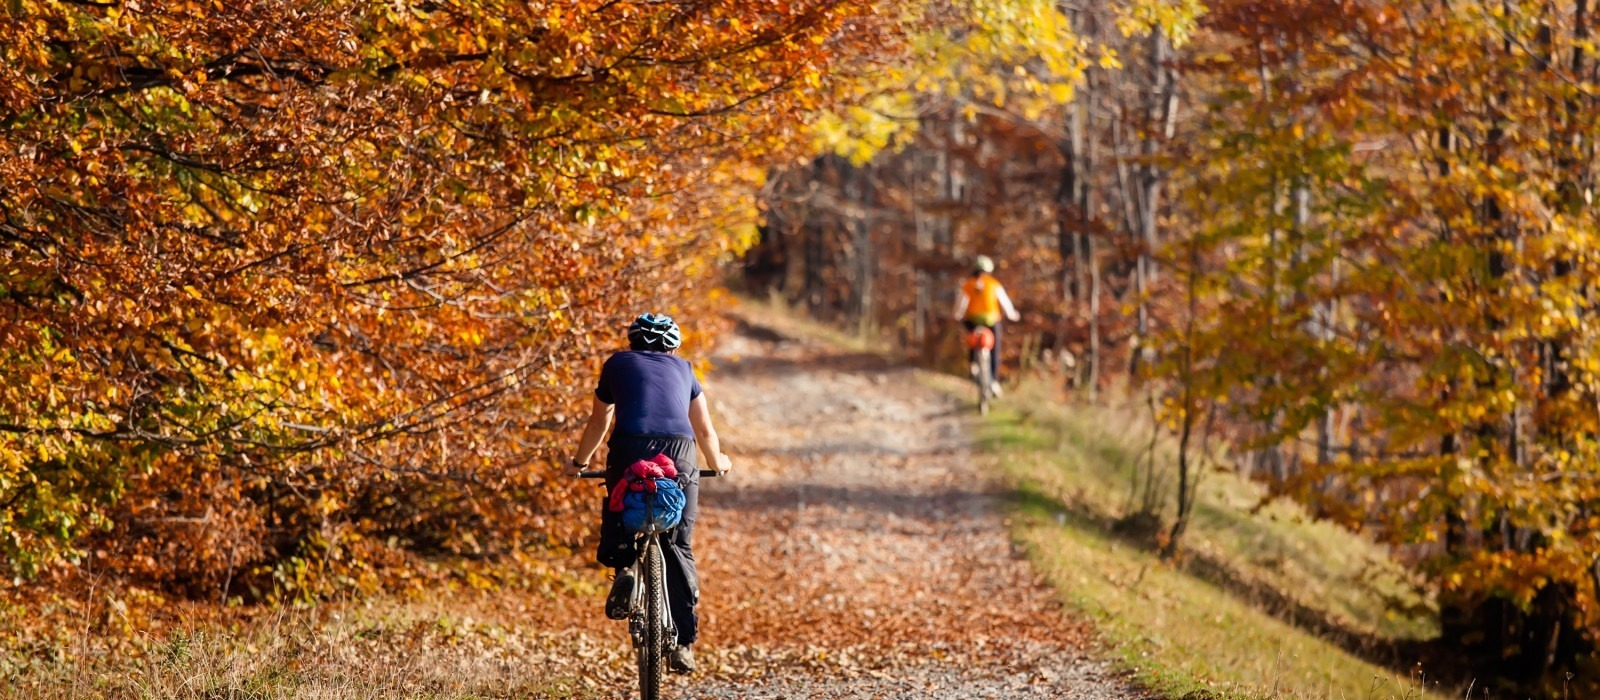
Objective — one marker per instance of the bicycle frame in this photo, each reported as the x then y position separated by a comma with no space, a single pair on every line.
636,619
649,658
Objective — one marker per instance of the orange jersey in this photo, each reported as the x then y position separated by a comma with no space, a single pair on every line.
983,299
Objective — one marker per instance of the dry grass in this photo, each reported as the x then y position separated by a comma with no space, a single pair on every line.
776,314
1255,609
467,646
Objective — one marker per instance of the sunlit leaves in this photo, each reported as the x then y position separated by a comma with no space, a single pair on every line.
1178,19
1014,54
275,316
1435,294
860,131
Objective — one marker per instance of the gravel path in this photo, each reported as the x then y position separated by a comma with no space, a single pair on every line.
859,552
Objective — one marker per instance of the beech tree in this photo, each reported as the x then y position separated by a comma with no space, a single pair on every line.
291,290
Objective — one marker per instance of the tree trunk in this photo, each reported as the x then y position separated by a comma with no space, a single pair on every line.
920,243
1188,475
1161,110
859,189
1086,217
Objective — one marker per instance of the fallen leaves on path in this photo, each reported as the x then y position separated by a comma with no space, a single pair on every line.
858,551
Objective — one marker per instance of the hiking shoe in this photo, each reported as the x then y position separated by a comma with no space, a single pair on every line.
619,605
681,661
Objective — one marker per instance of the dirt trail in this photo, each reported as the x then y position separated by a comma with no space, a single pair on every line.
860,551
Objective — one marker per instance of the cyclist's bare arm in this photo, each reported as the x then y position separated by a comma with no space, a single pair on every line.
1005,305
600,416
705,434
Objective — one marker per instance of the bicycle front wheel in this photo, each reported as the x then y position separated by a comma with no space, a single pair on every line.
652,650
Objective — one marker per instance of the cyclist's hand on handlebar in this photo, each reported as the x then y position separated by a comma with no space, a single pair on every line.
723,463
574,467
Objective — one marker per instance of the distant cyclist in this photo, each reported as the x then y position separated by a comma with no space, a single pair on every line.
982,301
655,402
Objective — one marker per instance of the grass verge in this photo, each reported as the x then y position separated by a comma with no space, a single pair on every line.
776,315
1265,602
463,646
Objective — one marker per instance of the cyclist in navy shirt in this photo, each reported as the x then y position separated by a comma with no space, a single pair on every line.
651,392
651,402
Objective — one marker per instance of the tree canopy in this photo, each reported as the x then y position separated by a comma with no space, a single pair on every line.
290,290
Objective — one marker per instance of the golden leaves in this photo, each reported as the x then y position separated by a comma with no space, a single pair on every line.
1433,295
342,289
1019,55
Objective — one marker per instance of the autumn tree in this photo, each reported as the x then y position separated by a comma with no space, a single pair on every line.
1399,282
291,291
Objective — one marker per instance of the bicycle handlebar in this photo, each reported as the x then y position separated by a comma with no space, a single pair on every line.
709,473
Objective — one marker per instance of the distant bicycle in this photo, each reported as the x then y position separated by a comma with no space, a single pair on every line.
649,620
980,341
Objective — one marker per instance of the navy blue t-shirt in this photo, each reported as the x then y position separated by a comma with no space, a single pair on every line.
651,391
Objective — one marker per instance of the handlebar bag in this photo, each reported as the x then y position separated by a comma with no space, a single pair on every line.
661,506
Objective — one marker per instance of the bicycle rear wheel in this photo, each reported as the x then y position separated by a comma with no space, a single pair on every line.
985,381
652,650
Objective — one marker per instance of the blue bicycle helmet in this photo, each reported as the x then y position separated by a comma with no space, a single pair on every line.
655,332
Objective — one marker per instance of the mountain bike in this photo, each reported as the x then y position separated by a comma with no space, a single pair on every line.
650,624
980,341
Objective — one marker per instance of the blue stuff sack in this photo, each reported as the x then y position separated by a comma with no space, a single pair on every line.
662,508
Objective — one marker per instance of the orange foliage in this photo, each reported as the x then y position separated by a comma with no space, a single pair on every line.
1402,282
293,291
